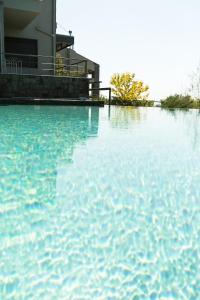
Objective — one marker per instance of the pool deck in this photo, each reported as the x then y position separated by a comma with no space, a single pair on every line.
41,101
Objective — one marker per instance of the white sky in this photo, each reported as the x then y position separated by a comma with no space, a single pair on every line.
158,39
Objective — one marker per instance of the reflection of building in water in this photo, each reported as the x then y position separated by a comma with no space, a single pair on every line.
34,141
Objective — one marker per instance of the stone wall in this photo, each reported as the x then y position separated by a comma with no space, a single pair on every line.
42,86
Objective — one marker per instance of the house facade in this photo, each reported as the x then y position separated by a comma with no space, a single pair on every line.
29,43
27,34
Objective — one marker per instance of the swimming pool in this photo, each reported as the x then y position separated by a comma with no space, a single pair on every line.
99,204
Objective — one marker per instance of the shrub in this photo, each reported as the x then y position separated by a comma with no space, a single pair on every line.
180,101
146,103
119,102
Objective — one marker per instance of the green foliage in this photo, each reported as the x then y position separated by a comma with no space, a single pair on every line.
65,70
104,98
126,88
60,70
137,103
180,101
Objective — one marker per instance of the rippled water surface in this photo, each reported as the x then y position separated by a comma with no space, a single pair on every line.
99,204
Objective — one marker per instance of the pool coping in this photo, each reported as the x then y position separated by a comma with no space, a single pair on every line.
54,101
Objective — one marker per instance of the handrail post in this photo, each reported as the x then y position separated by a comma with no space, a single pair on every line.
2,50
86,67
110,96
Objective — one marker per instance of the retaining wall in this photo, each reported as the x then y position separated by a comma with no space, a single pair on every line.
42,86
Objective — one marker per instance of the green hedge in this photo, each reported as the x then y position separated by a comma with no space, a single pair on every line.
180,101
146,103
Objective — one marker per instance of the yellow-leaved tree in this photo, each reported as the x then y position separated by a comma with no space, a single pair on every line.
125,87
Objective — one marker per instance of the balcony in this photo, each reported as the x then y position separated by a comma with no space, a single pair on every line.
63,41
29,64
18,14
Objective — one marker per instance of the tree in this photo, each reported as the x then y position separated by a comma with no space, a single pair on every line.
194,89
125,87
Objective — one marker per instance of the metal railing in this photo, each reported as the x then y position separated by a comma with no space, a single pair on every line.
24,64
12,66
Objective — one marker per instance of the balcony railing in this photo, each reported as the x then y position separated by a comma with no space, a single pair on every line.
23,64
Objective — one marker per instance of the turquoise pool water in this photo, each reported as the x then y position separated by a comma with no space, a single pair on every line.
99,205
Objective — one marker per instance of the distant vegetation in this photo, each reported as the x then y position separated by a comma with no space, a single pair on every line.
180,101
129,91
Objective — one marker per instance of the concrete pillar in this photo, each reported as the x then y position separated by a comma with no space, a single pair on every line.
54,35
1,36
96,84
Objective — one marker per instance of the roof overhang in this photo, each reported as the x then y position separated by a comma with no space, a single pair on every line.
63,41
17,18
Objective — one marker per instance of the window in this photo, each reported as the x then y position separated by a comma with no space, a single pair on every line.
22,50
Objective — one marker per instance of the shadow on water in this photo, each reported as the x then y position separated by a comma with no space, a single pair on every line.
34,140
